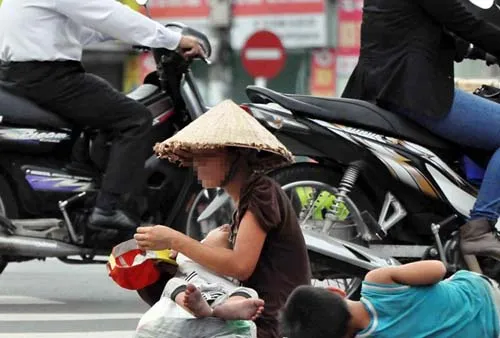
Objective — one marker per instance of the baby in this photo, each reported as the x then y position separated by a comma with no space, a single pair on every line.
206,294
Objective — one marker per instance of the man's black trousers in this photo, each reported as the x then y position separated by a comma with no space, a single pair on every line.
64,88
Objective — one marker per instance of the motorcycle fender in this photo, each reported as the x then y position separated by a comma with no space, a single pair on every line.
346,252
156,165
218,202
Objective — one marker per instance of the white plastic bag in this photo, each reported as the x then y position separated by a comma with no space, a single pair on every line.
167,319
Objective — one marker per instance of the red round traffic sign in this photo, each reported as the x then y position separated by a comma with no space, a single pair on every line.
263,55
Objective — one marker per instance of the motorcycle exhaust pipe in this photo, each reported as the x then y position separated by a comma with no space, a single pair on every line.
37,247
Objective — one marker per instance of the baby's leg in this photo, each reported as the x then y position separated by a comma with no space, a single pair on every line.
242,304
193,300
188,296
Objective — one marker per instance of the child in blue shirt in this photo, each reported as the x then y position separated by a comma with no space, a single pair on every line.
410,300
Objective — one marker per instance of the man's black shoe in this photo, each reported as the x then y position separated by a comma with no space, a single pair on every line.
115,219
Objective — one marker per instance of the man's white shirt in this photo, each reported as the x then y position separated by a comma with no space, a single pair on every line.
49,30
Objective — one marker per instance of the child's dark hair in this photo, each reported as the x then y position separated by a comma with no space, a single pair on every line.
312,312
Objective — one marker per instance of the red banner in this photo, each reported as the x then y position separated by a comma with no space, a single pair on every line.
201,8
323,72
178,8
263,7
350,14
147,64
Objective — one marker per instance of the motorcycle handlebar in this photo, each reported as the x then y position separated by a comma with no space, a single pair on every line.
147,49
475,53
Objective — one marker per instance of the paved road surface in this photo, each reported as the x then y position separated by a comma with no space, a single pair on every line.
51,299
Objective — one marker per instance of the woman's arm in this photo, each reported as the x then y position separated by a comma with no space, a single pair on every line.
238,263
417,273
457,18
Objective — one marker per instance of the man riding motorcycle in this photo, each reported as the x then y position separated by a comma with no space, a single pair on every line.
406,66
41,43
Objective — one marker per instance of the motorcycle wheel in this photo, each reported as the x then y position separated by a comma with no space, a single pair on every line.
310,188
8,208
347,277
315,177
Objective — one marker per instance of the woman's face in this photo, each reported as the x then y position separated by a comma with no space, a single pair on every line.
212,167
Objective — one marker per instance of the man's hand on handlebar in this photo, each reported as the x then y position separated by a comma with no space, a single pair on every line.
191,47
475,53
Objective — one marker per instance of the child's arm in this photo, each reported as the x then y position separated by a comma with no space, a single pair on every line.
417,273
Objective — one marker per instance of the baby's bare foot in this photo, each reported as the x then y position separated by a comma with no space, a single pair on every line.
244,309
194,302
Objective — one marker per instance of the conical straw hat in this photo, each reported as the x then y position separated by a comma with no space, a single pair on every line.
225,125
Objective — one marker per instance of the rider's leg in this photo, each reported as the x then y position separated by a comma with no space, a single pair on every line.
65,89
475,121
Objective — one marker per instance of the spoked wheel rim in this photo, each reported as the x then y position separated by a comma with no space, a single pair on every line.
314,198
3,209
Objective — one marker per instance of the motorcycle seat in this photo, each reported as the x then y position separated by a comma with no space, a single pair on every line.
353,113
18,111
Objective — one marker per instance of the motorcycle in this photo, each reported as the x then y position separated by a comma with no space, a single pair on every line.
373,178
50,170
50,174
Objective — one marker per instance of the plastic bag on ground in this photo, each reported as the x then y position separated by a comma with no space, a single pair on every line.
167,319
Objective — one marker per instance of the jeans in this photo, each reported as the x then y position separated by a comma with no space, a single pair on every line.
473,121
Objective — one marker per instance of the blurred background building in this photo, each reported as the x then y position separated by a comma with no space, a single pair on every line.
321,38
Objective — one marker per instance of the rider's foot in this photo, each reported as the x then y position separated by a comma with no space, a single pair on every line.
478,237
101,219
194,302
241,309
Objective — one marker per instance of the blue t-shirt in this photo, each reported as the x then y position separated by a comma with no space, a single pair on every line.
460,306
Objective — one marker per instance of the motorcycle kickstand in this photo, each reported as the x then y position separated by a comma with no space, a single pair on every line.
435,228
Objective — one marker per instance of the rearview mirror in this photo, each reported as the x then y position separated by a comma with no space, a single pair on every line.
483,4
141,2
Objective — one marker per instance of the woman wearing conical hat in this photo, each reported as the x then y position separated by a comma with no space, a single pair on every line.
266,249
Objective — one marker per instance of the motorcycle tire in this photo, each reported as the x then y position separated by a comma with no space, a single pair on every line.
323,267
8,208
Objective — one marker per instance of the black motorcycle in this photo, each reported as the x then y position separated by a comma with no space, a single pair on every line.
50,170
368,176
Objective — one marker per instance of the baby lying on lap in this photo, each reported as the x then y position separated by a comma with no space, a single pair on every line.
206,294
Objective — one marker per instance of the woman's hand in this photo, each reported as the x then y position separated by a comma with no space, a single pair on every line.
157,237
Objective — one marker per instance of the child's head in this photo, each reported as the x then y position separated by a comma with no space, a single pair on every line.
315,312
224,139
213,167
216,168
